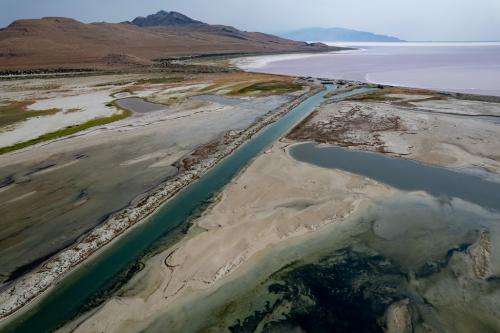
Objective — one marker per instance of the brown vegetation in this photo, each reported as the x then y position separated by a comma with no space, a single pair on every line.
253,84
352,127
382,95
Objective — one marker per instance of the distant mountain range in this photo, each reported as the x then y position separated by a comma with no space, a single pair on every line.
58,42
337,35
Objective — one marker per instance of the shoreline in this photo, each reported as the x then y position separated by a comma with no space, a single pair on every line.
20,74
178,292
184,276
25,292
342,65
117,222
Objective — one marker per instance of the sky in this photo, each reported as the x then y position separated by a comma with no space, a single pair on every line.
415,20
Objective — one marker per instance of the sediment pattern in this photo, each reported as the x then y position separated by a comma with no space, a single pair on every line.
29,287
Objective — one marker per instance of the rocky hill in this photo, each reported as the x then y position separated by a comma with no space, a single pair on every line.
163,18
56,42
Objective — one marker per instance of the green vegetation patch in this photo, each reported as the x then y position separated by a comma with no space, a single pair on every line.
267,88
72,110
211,88
14,112
67,131
383,96
113,83
158,80
137,86
379,96
20,87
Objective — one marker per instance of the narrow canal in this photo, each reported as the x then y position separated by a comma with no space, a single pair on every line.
80,288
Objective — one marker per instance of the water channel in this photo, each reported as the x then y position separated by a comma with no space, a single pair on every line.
83,285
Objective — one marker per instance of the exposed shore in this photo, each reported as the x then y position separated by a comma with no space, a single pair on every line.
199,263
414,124
50,200
31,286
275,212
278,204
264,206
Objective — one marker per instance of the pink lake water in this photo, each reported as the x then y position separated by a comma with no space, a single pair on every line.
460,67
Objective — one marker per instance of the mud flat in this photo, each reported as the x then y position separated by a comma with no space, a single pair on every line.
415,124
190,169
305,246
289,240
77,181
264,206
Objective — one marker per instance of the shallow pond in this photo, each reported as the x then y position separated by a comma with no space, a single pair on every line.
139,105
402,173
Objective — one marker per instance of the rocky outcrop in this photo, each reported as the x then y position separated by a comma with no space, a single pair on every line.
163,18
479,256
398,317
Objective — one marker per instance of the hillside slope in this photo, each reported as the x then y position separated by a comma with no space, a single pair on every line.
56,42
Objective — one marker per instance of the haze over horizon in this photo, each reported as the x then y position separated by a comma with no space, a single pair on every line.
426,20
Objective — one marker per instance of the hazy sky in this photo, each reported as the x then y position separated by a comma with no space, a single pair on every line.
407,19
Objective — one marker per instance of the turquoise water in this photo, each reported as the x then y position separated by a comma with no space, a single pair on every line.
90,280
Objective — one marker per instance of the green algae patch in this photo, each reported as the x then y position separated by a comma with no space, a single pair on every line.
160,80
138,85
15,112
267,88
67,131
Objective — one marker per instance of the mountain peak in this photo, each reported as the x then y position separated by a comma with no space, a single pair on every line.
164,18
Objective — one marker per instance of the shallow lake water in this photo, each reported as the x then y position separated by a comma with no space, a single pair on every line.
413,247
408,247
404,174
460,67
